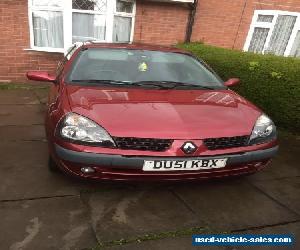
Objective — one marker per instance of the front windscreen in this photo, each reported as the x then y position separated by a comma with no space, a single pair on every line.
131,66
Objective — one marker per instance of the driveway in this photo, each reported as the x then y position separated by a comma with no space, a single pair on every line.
43,210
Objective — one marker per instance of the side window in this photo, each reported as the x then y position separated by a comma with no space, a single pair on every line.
62,63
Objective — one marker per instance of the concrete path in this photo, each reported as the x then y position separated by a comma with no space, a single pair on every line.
43,210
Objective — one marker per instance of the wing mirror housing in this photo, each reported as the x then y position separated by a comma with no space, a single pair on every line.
232,82
41,76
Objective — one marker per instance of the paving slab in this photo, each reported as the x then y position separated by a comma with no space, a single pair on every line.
286,191
41,94
232,204
57,223
23,133
24,173
18,96
119,213
27,154
21,115
20,183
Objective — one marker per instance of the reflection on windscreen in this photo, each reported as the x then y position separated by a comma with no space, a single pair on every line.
140,65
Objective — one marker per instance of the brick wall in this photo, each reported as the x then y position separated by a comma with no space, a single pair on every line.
226,23
14,38
160,23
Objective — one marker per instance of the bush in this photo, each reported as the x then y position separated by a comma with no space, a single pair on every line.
271,82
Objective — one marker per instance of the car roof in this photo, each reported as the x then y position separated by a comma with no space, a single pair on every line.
134,46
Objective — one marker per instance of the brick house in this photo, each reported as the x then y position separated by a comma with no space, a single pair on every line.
35,33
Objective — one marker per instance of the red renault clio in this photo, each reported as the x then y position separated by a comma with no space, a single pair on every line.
138,112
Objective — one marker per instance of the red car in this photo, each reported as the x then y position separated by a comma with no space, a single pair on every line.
138,112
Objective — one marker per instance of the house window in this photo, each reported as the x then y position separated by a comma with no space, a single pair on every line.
274,32
122,21
88,20
56,24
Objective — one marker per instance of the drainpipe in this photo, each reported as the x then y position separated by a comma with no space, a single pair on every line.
191,20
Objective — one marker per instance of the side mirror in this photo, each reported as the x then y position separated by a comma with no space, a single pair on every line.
232,82
41,76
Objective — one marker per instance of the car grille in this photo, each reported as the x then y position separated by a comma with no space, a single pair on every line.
226,142
144,144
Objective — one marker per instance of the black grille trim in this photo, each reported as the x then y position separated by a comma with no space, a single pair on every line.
226,142
143,144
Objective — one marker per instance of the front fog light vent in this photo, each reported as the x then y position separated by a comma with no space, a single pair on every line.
87,170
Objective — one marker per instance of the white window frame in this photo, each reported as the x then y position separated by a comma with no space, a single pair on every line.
92,12
270,26
67,11
124,14
31,9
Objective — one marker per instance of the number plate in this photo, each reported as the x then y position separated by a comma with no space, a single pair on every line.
184,165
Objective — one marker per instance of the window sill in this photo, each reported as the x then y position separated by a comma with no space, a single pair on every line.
48,50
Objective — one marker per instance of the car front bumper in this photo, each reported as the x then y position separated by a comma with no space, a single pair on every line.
118,167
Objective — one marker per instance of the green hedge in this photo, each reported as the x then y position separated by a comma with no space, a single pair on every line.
270,82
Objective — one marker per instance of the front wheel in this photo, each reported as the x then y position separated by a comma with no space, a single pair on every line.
52,165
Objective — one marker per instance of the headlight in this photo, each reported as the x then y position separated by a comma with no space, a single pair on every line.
79,129
263,131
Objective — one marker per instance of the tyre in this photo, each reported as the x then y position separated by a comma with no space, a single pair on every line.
52,165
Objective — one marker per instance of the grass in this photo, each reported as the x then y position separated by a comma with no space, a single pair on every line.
13,86
153,236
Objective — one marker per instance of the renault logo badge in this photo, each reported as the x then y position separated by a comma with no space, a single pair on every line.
189,148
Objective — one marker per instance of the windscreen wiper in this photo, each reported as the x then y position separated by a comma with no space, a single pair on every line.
169,84
97,81
158,84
